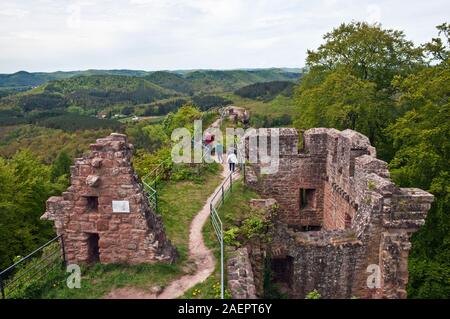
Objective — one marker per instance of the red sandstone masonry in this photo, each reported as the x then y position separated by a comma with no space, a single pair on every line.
106,174
369,219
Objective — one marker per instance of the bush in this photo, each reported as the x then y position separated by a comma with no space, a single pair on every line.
257,226
230,237
150,137
33,286
313,295
192,172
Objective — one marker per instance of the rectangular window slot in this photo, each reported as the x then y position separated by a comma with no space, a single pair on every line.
307,198
92,203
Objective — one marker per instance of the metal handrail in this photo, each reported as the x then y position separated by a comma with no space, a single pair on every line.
218,225
221,189
29,255
34,269
216,221
151,179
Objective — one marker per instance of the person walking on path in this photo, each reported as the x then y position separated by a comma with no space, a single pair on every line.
219,152
232,161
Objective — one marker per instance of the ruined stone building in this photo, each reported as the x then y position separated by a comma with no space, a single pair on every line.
236,114
104,215
341,220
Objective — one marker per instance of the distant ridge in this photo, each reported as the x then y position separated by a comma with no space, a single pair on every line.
23,80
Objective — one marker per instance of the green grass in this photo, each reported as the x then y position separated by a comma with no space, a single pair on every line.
179,203
237,204
276,107
235,208
99,280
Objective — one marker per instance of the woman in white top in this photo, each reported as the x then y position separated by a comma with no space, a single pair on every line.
232,161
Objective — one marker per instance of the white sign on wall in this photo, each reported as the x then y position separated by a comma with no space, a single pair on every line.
121,206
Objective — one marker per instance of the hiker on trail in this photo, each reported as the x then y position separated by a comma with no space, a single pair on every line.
208,142
219,152
232,161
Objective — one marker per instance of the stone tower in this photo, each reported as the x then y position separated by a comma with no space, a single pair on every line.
343,226
104,215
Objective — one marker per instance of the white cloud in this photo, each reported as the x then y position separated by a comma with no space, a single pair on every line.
172,34
374,13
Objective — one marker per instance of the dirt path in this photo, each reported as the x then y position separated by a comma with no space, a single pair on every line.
198,253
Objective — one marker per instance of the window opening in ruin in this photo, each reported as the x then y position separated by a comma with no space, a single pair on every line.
92,203
352,167
310,228
283,271
93,250
307,198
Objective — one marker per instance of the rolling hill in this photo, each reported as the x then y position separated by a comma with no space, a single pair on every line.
184,81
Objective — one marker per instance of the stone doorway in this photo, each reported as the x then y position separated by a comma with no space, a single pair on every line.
93,249
283,272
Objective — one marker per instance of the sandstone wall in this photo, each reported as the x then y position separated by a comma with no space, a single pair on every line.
84,213
240,275
355,203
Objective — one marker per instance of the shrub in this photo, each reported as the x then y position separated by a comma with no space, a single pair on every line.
230,237
313,295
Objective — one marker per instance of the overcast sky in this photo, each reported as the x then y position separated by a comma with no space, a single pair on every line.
50,35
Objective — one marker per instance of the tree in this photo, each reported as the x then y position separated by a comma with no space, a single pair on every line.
25,185
349,83
422,140
439,48
127,110
343,101
185,117
61,166
149,137
368,51
376,82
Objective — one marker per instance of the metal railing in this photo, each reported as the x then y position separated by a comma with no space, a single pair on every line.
33,267
217,200
150,183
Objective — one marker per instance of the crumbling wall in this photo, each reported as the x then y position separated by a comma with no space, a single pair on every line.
104,214
326,261
296,171
353,202
240,274
247,263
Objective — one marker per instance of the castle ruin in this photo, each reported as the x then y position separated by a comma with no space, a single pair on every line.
104,215
343,227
